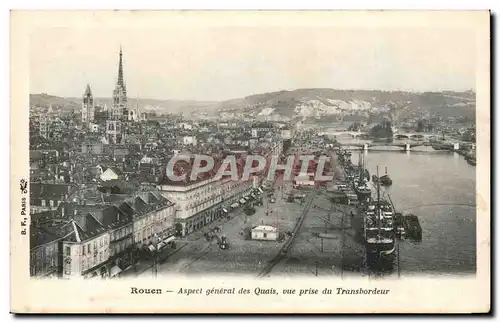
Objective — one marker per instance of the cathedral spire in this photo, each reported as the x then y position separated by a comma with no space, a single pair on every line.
88,92
120,69
120,109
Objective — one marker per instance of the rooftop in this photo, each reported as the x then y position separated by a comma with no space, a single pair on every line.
264,228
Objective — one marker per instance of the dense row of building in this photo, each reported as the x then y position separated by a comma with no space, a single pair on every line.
100,198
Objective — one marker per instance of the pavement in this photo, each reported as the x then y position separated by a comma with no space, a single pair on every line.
309,254
244,257
325,244
142,266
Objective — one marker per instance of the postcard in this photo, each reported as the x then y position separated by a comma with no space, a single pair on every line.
250,162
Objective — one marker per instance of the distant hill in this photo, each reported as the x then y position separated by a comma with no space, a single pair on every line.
305,103
45,100
317,103
163,106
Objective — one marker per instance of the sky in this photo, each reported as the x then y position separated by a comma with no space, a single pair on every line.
220,63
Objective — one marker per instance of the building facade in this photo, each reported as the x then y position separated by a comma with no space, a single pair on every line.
84,239
114,132
85,256
264,232
153,220
44,254
100,244
121,248
189,140
202,202
44,127
47,196
87,107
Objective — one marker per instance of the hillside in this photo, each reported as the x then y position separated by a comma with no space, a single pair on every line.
45,100
304,103
318,103
162,106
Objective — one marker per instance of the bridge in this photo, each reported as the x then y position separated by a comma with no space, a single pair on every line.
397,135
405,146
352,134
417,136
403,140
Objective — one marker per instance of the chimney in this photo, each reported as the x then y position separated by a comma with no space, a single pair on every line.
63,213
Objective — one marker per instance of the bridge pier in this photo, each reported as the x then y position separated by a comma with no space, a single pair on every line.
407,147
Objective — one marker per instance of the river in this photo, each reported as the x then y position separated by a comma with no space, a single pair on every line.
438,187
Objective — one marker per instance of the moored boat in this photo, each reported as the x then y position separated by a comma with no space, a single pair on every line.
378,227
362,190
413,227
471,159
359,180
385,180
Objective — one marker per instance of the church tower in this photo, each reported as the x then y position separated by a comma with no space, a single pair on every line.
119,110
114,132
87,106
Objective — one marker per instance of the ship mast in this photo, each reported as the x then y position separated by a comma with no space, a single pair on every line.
361,166
378,210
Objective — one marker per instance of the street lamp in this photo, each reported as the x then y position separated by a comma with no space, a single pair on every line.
156,243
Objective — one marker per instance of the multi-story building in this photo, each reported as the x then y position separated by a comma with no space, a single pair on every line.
114,132
92,146
277,146
86,250
134,114
202,201
190,140
100,242
84,239
286,133
94,127
44,127
48,196
153,217
121,243
191,199
260,129
44,253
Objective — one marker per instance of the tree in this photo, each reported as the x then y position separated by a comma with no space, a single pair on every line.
382,130
356,126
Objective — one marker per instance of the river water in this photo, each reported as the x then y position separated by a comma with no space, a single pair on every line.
438,187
